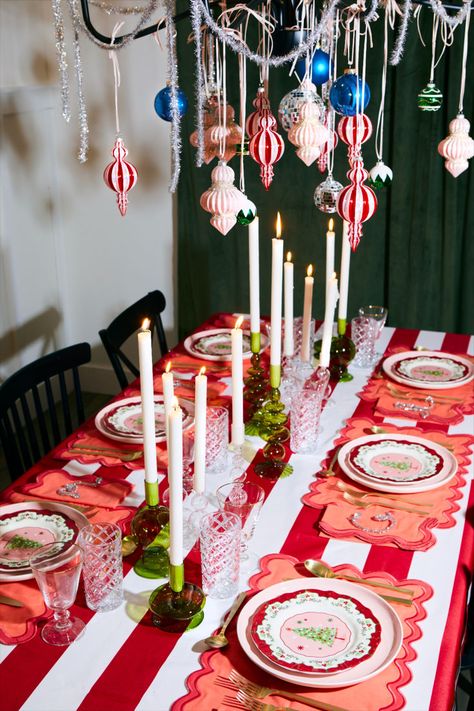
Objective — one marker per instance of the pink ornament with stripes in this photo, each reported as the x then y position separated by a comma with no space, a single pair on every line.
357,202
354,131
330,145
458,147
266,147
120,175
223,200
260,103
308,134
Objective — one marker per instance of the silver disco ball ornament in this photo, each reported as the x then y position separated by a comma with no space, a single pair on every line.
326,195
290,105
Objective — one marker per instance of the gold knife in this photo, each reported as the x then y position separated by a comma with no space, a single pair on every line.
5,600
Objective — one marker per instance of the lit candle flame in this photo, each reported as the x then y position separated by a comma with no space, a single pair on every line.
146,324
288,257
309,271
278,226
168,367
239,322
331,225
202,371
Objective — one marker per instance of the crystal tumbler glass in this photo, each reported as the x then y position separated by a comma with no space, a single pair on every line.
244,499
101,544
220,553
217,439
364,333
305,415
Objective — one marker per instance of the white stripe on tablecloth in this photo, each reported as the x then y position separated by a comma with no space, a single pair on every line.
75,468
431,340
5,650
470,349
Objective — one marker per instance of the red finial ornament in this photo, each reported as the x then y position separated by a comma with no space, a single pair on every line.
120,175
357,202
266,146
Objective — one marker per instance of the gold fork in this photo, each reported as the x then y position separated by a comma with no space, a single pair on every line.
413,396
123,455
253,704
259,692
378,495
367,504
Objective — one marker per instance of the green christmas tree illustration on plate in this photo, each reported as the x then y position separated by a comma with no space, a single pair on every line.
323,635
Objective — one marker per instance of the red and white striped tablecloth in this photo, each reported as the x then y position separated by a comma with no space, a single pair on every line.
122,663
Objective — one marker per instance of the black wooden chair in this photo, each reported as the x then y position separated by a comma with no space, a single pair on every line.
35,408
127,323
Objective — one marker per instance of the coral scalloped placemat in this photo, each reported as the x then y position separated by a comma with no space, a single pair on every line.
209,688
411,531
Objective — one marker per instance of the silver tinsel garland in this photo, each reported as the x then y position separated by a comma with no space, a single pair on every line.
402,34
172,71
61,54
82,109
146,15
199,84
451,20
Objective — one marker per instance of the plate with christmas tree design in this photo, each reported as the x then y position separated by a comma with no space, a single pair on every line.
322,633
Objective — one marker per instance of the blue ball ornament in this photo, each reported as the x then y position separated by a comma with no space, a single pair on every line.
346,94
163,103
320,67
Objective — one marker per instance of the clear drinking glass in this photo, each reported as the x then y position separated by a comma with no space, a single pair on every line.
220,553
217,439
57,569
305,416
101,544
244,499
364,333
379,313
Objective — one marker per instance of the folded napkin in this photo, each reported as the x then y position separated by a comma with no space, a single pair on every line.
18,624
209,685
444,410
411,531
108,494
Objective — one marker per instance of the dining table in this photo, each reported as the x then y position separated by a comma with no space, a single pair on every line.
124,662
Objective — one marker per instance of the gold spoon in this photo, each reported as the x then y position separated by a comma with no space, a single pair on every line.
367,504
219,640
378,495
318,569
330,470
129,545
123,455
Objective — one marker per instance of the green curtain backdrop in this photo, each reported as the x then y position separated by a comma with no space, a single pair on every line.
417,253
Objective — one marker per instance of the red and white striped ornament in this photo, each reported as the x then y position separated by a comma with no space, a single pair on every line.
308,133
458,147
354,131
120,175
223,200
260,103
266,147
357,202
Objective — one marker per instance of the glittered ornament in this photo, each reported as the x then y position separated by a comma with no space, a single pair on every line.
247,212
163,103
353,131
120,175
320,67
346,94
380,176
290,105
266,147
458,147
223,200
356,202
260,103
308,134
326,195
430,98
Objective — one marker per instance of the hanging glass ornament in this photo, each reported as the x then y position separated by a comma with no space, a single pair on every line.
458,147
260,103
247,212
380,176
266,146
308,134
223,200
163,103
217,134
346,94
353,131
326,195
330,145
430,98
320,67
290,105
356,202
120,175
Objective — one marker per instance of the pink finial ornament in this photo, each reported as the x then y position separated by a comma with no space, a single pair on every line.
458,147
308,134
354,131
223,200
266,147
357,202
260,103
330,145
120,175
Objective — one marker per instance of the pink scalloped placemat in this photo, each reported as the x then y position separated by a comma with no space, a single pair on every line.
411,532
209,687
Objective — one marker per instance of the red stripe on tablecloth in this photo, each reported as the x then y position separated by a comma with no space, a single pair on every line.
397,563
457,343
450,650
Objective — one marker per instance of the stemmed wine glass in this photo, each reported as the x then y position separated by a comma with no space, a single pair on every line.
57,569
379,313
244,499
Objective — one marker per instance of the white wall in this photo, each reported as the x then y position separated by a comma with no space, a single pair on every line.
69,261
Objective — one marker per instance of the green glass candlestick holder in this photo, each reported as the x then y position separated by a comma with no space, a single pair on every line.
177,606
342,352
151,531
256,383
272,421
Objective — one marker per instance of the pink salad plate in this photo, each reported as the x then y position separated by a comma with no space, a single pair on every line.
383,644
216,344
432,370
397,463
122,420
24,527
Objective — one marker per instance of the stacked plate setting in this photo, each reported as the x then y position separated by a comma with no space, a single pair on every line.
216,344
431,370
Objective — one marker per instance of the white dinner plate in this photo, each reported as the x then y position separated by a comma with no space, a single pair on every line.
432,370
445,468
41,526
121,420
391,633
215,344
